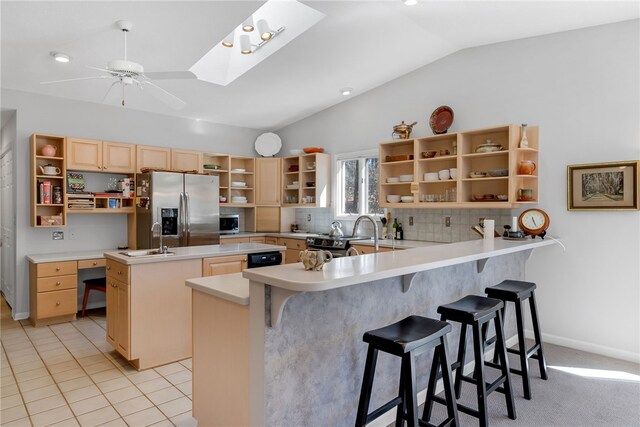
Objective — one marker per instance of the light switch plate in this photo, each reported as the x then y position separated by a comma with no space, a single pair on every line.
57,235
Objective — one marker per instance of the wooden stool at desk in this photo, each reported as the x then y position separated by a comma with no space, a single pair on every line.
99,284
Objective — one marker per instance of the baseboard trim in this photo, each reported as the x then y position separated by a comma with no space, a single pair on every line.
587,346
389,417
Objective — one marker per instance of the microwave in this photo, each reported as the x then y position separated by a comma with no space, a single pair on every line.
229,224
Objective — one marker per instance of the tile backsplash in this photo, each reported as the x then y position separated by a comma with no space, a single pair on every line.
428,224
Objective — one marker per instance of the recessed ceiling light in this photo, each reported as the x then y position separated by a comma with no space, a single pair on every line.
410,2
346,91
228,41
245,44
60,57
247,26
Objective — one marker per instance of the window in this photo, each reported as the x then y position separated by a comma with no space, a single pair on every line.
357,177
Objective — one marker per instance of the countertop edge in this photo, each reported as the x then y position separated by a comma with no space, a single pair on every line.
367,268
230,287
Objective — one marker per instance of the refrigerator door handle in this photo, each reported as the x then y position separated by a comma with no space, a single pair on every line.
181,220
187,217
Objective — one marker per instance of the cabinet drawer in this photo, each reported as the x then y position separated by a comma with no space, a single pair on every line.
63,268
234,240
117,271
56,303
92,263
291,256
46,284
271,240
298,244
256,240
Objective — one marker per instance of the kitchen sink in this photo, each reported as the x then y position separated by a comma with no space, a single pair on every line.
146,252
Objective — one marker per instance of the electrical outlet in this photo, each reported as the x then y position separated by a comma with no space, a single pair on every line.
309,217
410,220
447,221
57,235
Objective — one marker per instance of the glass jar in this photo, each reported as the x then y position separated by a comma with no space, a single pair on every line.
57,195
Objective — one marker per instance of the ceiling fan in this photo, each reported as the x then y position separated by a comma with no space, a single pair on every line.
129,73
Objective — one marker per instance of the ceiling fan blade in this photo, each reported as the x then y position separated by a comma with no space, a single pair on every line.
103,69
166,75
168,98
73,80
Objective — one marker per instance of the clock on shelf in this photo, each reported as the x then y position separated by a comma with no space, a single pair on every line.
534,222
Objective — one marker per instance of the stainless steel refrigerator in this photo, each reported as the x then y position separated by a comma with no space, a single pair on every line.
185,205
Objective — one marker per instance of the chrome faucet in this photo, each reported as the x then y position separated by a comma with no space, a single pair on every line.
375,229
162,249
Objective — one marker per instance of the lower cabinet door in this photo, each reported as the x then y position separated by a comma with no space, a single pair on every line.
57,303
291,256
123,325
223,265
112,311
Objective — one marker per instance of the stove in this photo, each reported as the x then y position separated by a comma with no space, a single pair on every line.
338,246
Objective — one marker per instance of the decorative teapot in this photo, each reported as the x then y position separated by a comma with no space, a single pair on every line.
49,150
314,259
50,170
526,167
403,130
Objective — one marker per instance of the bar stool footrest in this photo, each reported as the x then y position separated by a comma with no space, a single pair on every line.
384,408
531,353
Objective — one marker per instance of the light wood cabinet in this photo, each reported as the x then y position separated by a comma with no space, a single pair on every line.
118,157
294,246
267,219
257,240
306,181
498,188
271,240
152,157
186,160
366,249
268,177
47,214
234,240
100,156
52,292
223,265
118,316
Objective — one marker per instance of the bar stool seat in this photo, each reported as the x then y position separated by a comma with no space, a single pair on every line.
475,311
518,291
407,339
99,284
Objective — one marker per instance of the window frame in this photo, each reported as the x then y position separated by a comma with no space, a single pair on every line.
361,156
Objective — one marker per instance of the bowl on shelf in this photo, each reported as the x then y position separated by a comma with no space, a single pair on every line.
499,172
293,168
503,197
453,172
212,167
477,174
406,199
311,165
296,151
484,197
444,152
238,170
429,154
393,179
310,150
293,186
431,176
238,184
393,198
406,178
444,174
310,184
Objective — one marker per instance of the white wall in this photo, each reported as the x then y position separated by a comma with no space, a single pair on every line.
582,89
44,114
7,205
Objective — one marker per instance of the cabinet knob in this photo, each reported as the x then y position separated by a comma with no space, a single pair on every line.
104,167
108,268
57,268
58,303
57,283
119,272
95,263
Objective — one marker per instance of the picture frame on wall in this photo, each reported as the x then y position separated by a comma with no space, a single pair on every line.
603,186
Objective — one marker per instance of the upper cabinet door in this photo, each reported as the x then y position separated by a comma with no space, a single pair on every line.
267,181
84,154
185,160
117,157
152,157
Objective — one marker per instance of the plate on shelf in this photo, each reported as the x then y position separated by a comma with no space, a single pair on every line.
477,174
499,172
238,170
268,144
441,119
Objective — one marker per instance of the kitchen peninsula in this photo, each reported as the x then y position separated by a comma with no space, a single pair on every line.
305,328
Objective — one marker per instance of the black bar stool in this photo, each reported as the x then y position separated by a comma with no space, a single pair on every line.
407,339
476,311
517,291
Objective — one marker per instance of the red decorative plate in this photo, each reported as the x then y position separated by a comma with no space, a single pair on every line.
441,119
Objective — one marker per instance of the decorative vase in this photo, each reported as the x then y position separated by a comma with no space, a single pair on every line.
524,142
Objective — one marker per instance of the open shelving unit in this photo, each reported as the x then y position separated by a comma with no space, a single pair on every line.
47,214
461,146
233,169
305,180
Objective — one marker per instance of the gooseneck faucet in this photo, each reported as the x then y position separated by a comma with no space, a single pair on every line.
375,229
162,249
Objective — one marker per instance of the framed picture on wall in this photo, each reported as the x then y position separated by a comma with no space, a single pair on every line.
603,186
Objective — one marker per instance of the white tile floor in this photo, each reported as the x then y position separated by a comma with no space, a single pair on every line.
68,375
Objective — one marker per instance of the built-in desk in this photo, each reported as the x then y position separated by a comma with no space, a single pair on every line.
53,284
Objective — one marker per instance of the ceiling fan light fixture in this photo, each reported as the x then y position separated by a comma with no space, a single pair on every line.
346,91
61,57
247,25
410,2
263,29
245,44
228,41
